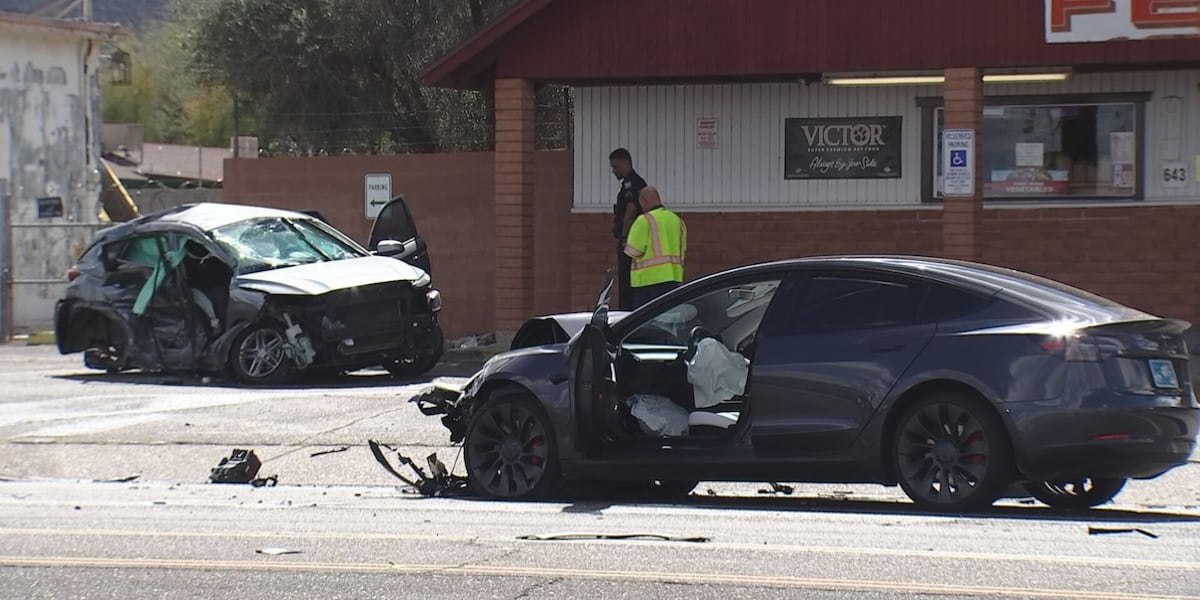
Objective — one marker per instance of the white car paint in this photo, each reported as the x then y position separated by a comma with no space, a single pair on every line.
320,278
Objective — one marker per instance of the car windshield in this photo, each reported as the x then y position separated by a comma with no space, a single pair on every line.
265,244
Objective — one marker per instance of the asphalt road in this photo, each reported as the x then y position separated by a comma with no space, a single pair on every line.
166,533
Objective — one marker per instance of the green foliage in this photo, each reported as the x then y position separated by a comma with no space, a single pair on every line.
313,76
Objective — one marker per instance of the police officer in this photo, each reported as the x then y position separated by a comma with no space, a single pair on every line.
624,212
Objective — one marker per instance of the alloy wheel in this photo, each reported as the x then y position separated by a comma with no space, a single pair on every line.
944,454
508,451
261,353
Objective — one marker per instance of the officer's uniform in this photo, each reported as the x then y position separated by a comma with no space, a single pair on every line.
631,187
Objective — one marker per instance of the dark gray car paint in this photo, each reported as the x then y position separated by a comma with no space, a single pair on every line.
1028,389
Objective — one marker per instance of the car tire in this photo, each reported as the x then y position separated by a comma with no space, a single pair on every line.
510,450
259,357
421,365
1087,492
951,452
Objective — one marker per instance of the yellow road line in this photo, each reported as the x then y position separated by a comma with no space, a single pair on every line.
549,573
1099,562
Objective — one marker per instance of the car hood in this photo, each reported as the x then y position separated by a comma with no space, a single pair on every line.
573,323
320,278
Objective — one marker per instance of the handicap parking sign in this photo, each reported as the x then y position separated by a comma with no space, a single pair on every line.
958,158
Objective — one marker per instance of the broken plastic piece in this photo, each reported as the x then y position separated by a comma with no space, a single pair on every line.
778,488
239,467
277,551
300,348
441,483
270,481
657,415
1108,530
716,373
333,451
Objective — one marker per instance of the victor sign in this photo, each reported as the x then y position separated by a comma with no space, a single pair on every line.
843,148
1104,20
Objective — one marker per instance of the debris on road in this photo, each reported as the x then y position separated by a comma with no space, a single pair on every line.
270,481
439,482
277,551
125,479
568,537
778,488
333,451
1113,530
239,467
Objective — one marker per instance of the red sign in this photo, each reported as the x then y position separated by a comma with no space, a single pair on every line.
1102,20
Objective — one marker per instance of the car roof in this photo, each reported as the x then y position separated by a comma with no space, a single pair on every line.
1025,288
209,215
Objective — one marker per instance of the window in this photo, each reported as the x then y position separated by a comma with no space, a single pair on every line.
263,244
1037,148
733,313
943,303
829,303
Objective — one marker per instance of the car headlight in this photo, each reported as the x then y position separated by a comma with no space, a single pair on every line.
422,281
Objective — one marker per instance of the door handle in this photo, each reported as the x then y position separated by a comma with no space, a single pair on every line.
883,349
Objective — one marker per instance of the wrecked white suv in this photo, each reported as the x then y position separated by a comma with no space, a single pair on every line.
262,294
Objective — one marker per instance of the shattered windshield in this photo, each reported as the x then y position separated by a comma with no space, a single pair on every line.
265,244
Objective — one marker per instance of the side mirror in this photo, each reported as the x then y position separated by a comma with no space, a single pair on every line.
390,248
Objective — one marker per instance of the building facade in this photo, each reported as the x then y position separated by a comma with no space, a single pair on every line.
781,128
49,160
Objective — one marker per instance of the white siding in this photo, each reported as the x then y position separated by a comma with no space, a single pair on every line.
658,125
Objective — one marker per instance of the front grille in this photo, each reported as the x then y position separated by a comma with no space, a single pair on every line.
373,309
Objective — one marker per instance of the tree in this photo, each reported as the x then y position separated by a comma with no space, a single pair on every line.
164,97
329,75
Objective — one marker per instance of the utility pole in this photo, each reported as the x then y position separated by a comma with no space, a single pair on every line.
237,140
87,10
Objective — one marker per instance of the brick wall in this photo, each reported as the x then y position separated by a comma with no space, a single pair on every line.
1146,257
451,197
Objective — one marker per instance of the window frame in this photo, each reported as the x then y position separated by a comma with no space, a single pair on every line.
929,104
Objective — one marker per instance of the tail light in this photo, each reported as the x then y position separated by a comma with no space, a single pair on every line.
73,273
1081,347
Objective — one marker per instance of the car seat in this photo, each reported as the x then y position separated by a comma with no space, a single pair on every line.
719,358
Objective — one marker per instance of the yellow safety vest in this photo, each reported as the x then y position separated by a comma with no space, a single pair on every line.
657,244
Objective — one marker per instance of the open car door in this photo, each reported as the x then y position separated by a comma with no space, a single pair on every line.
591,360
394,235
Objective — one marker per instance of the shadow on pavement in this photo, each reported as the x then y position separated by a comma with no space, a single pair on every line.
1102,515
358,379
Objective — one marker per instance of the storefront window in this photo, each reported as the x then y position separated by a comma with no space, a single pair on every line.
1054,151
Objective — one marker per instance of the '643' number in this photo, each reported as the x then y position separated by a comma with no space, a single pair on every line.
1174,175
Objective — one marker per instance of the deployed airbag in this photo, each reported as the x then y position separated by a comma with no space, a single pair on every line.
659,416
717,374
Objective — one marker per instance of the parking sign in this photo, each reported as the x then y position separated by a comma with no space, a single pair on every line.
958,163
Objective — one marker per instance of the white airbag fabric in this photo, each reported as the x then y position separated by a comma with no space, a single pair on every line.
716,373
659,416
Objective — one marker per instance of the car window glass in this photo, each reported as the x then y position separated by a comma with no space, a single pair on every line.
831,303
393,223
944,302
733,313
263,244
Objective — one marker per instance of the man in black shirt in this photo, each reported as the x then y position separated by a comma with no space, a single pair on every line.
624,212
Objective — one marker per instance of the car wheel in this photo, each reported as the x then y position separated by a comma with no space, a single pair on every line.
1085,492
259,356
510,450
951,452
408,369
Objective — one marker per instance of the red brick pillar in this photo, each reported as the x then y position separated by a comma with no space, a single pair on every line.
962,217
514,203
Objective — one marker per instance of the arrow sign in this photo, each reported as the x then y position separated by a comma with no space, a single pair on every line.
377,193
